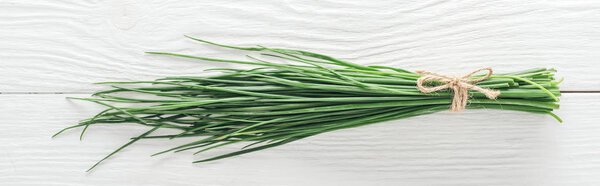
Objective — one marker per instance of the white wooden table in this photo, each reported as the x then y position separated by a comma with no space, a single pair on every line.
53,49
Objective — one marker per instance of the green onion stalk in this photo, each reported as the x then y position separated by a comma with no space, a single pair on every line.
291,95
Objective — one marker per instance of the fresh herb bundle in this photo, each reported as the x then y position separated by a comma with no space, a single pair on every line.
278,103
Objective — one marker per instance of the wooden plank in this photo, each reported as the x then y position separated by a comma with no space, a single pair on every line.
55,46
477,147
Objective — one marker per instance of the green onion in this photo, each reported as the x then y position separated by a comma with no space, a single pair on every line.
278,103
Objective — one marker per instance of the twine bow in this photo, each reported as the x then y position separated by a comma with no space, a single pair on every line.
460,86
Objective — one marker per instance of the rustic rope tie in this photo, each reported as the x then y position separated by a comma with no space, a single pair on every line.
460,86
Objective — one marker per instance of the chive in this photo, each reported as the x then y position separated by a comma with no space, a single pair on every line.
278,103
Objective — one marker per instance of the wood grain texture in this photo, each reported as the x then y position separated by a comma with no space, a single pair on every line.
50,47
64,46
477,147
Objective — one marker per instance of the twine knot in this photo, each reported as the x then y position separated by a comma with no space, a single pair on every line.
459,84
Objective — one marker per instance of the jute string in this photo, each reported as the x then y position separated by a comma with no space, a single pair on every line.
460,85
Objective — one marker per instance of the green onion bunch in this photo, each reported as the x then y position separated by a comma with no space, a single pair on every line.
278,103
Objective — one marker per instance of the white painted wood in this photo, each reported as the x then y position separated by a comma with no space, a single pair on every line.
477,147
64,46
